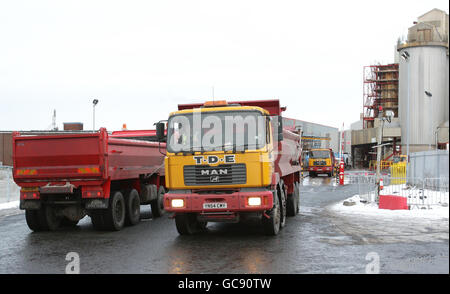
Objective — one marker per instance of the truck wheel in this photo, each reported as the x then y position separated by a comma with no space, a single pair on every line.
293,201
202,226
97,219
114,215
282,205
158,204
49,219
133,208
32,218
312,175
271,225
187,223
297,197
65,222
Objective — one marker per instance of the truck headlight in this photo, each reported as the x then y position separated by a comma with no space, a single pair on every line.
177,203
254,201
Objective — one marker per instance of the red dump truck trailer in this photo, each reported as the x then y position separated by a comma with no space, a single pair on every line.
227,181
64,177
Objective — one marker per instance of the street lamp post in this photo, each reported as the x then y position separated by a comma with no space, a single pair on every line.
388,117
379,142
431,117
405,56
94,103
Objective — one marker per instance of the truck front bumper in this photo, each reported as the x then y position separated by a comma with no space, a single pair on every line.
216,203
324,169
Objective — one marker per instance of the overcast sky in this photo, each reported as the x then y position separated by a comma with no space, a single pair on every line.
142,58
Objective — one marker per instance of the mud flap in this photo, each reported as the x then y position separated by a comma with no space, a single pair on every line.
97,203
30,204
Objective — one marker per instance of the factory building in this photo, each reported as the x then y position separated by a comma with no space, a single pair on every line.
315,135
413,90
6,140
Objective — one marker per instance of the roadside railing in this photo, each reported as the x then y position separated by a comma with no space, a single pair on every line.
425,192
422,193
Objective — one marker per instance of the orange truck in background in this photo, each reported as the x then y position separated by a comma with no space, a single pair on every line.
321,161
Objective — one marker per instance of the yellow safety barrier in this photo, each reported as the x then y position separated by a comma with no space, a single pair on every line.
385,164
398,173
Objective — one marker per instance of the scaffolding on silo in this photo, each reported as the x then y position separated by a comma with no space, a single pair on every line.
380,89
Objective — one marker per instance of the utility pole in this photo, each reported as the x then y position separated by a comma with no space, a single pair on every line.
94,103
405,56
54,128
431,115
379,142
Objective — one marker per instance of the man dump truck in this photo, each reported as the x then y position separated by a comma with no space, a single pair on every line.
64,177
321,161
225,161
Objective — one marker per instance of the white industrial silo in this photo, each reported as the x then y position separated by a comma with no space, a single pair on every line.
423,79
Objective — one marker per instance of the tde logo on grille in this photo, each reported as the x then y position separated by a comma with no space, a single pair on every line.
212,159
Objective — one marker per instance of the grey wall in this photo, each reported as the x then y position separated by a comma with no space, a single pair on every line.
428,164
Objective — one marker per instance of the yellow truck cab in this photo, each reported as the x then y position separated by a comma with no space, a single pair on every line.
227,160
321,161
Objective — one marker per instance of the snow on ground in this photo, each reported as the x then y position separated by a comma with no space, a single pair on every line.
371,209
371,225
10,205
9,191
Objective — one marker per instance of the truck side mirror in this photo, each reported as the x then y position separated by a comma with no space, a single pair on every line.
160,130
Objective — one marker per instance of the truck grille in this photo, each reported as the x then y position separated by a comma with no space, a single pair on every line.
224,174
320,162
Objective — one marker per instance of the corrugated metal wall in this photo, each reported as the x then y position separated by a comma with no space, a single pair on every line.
6,149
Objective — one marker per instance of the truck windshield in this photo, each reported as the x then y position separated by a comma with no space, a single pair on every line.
216,131
320,154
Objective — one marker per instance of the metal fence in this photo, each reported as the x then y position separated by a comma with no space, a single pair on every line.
367,187
423,193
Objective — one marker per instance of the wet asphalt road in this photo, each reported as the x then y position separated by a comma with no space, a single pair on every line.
315,241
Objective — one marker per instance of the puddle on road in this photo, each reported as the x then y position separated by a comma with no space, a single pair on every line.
319,181
337,240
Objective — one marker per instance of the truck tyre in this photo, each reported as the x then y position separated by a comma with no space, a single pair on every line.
158,204
114,215
133,208
293,201
283,209
202,226
187,223
97,219
65,222
32,218
49,219
312,175
271,225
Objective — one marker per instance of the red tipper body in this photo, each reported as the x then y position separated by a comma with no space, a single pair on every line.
90,161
